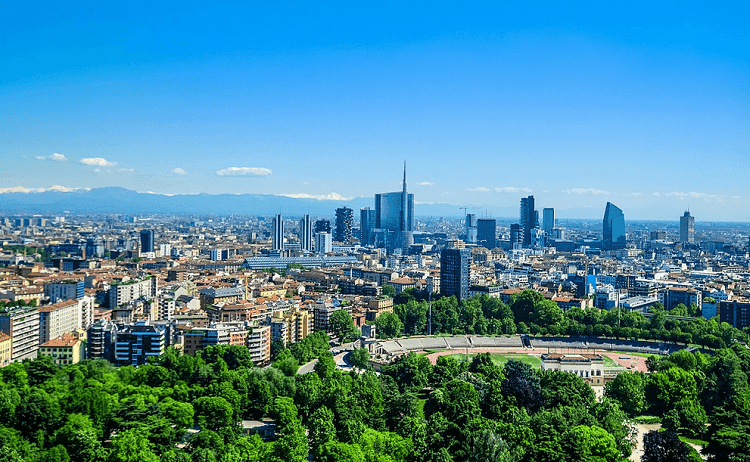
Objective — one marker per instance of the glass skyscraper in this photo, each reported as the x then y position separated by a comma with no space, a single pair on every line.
394,212
613,232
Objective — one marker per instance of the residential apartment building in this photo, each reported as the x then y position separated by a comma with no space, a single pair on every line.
22,325
65,349
6,349
63,290
58,319
126,292
137,342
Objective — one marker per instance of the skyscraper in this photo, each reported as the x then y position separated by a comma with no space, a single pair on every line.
344,225
305,233
529,218
486,232
613,229
548,220
687,228
471,228
277,236
147,240
395,212
516,235
454,272
366,225
322,226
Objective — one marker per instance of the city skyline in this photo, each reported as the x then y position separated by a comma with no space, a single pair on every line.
577,105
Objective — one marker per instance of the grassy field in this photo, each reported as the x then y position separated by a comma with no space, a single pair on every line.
609,362
501,359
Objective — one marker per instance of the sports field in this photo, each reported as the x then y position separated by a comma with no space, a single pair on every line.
500,359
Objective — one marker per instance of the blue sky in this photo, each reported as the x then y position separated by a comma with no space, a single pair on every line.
645,104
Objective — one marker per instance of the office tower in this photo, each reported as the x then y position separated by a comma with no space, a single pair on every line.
529,218
344,225
548,220
613,229
322,226
471,228
454,272
687,228
323,243
147,240
366,225
277,236
394,212
305,233
516,235
486,232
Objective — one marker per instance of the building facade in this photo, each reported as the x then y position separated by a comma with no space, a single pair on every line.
454,272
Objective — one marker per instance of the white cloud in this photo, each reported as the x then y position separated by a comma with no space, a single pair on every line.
657,194
126,170
595,192
321,197
693,195
511,189
54,156
25,190
425,183
97,161
57,156
244,171
179,171
635,194
479,189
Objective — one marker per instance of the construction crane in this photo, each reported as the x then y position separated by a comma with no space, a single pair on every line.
465,208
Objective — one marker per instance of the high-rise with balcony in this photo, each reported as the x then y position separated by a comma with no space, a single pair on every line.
687,228
344,225
613,228
22,325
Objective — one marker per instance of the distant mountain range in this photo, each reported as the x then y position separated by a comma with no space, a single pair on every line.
126,201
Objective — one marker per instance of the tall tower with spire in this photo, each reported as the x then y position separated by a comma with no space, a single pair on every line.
394,218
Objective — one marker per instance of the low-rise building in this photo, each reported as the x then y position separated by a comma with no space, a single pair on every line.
588,366
6,349
65,349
